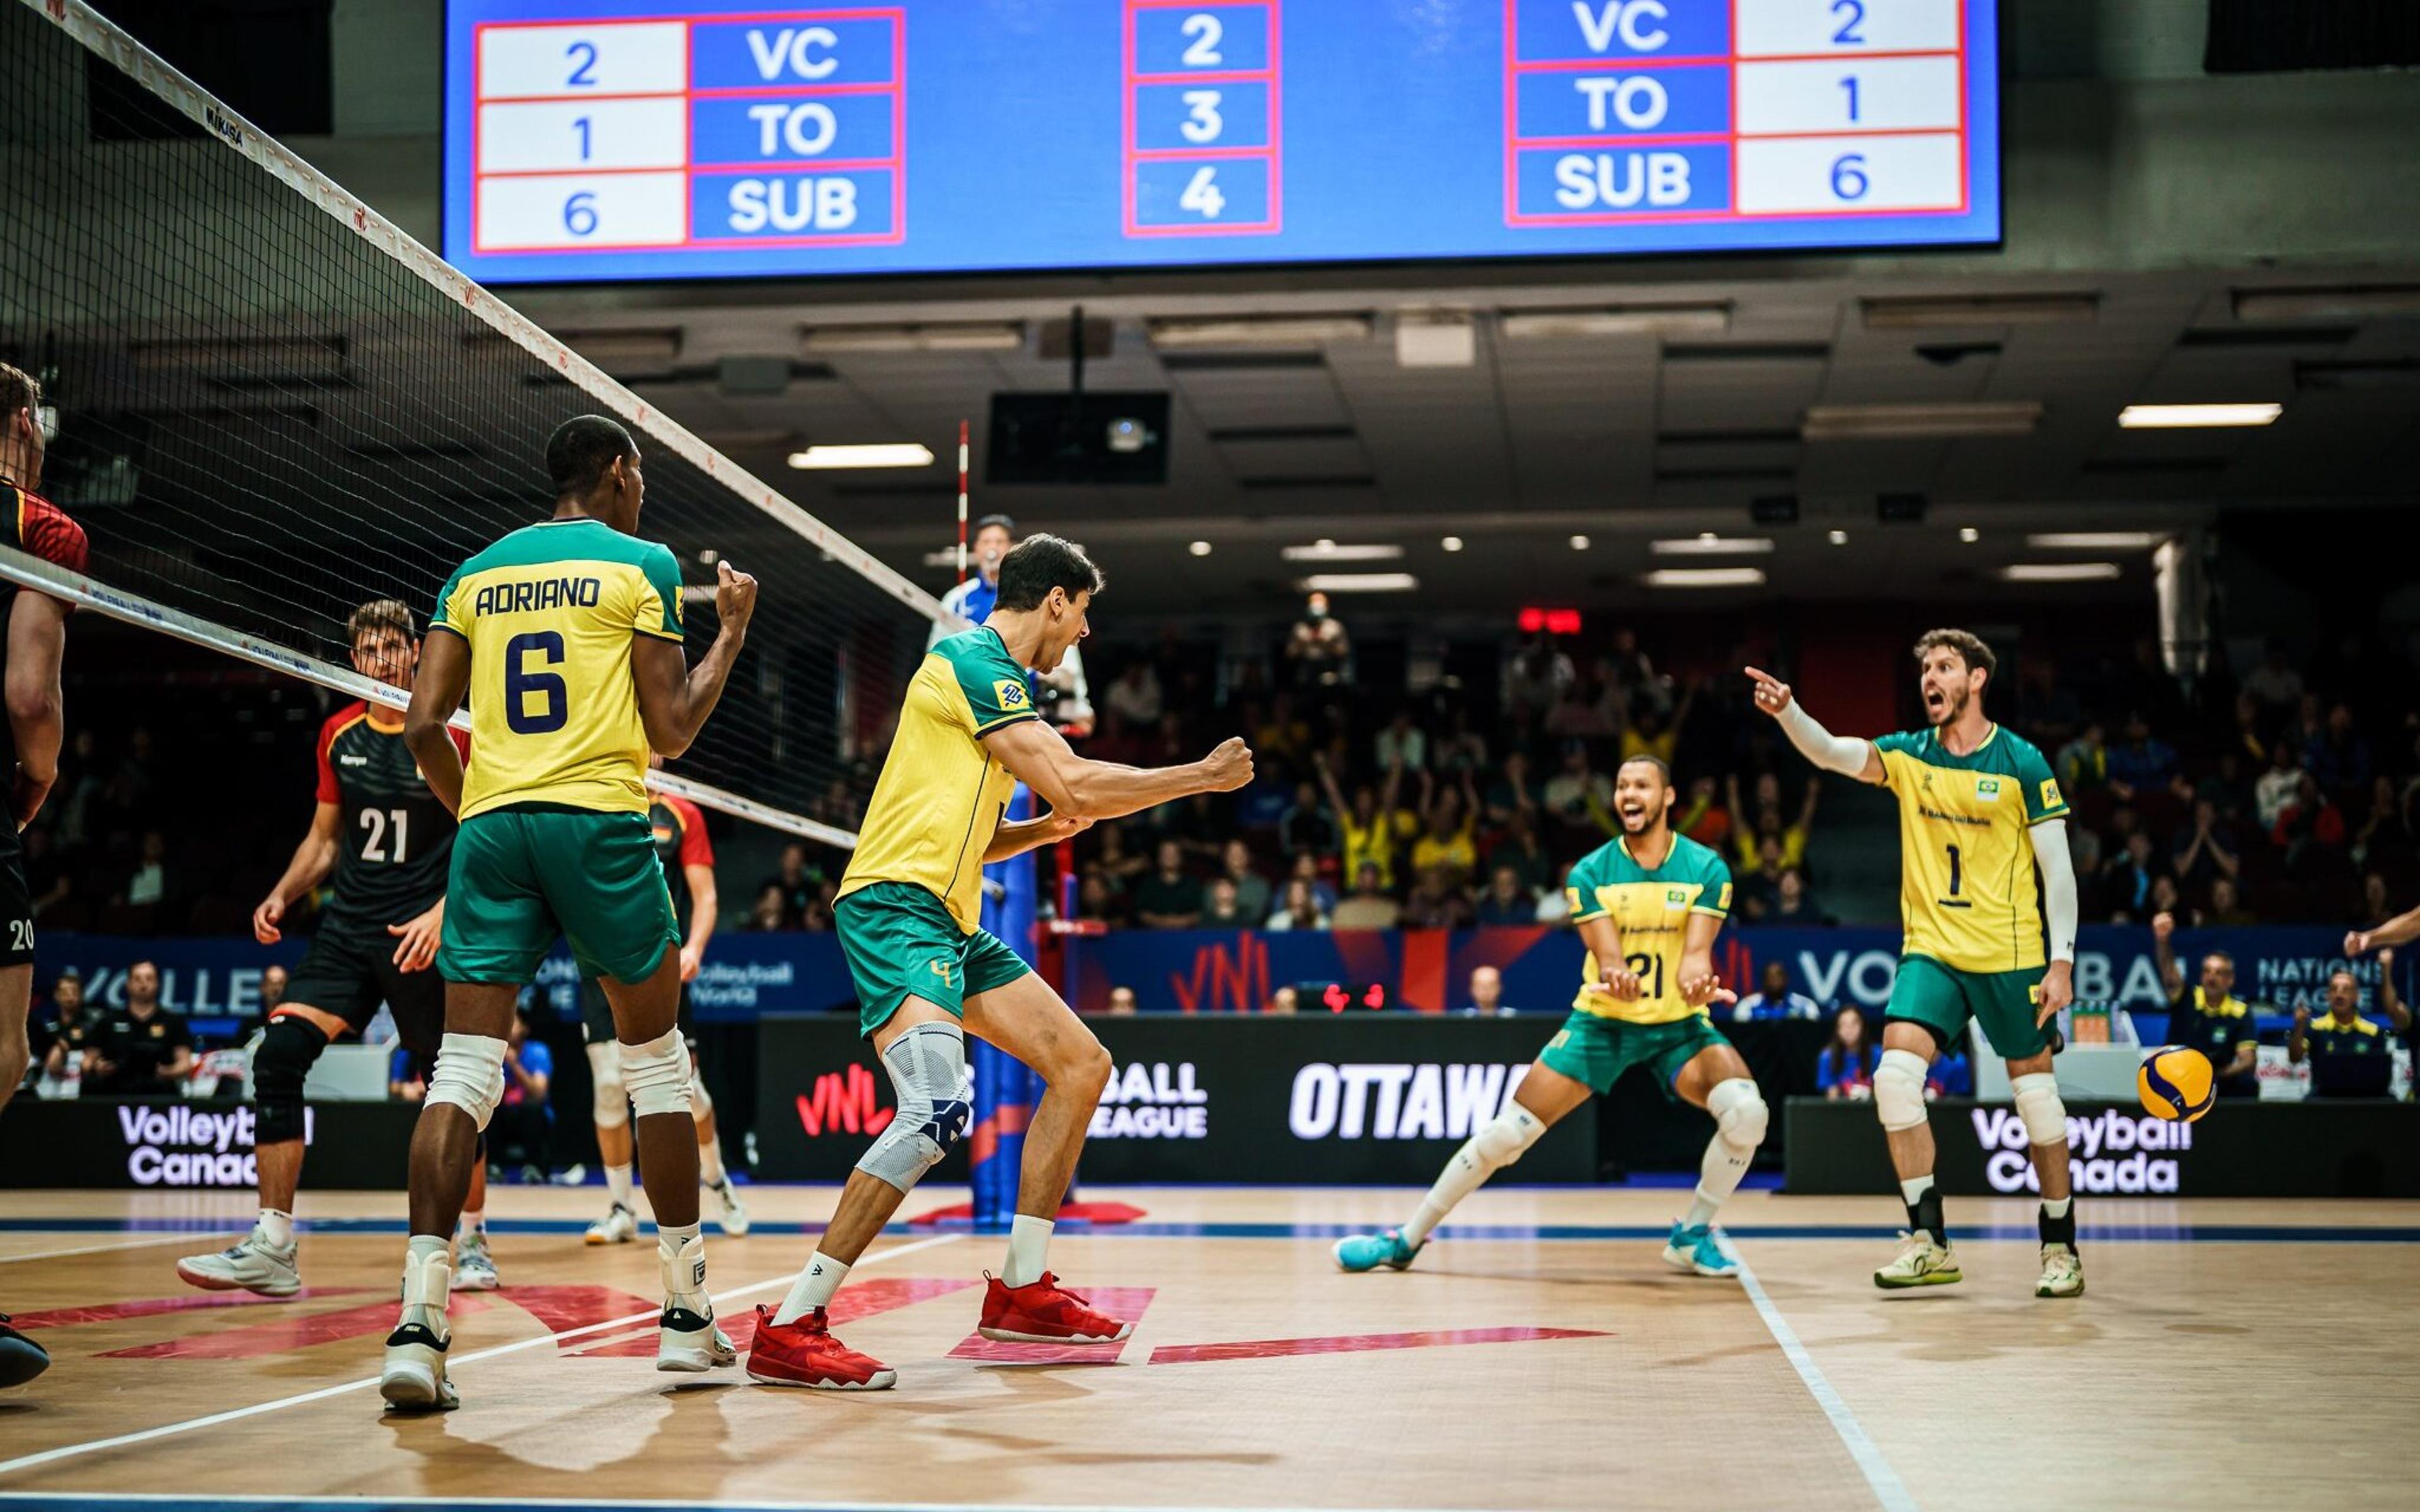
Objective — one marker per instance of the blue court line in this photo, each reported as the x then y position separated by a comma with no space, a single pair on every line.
138,1501
2172,1233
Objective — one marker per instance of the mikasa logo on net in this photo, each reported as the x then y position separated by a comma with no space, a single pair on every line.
2111,1151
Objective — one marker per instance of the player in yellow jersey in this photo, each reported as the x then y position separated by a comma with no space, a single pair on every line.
907,921
1648,907
1981,824
567,636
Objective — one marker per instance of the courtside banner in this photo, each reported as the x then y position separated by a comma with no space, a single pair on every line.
181,1146
2246,1149
1382,1100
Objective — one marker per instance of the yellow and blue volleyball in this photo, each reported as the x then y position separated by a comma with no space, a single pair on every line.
2176,1082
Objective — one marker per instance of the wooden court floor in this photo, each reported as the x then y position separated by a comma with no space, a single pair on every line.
2231,1354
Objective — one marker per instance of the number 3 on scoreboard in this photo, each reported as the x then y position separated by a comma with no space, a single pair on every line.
1202,196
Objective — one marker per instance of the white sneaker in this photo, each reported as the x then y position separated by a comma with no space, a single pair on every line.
474,1268
2062,1272
686,1338
733,1220
411,1377
618,1226
251,1264
1920,1262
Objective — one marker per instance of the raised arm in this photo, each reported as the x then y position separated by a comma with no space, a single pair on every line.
2059,912
2172,980
437,691
2401,930
1833,753
674,699
2389,1000
38,642
1080,788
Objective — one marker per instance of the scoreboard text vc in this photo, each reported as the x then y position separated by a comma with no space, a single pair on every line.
601,139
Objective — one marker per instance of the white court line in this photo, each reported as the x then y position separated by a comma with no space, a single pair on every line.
98,1249
580,1504
72,1450
1888,1488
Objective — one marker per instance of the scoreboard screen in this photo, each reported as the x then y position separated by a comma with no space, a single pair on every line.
650,139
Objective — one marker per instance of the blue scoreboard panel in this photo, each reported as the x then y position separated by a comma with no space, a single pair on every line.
644,139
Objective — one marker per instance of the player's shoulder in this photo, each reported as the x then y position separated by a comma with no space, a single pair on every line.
1905,743
1696,858
40,527
978,647
2019,751
1606,862
690,814
343,719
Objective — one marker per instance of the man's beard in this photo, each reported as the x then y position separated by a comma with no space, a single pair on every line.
1953,705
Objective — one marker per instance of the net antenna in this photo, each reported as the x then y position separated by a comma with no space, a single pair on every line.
276,404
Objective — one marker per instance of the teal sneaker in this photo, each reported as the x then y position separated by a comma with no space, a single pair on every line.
1357,1253
1693,1249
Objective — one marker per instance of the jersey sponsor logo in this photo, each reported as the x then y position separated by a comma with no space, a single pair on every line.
1011,693
544,593
2050,796
1987,790
352,761
1153,1100
1398,1101
1676,897
1725,904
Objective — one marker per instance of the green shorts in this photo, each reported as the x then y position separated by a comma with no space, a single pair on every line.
527,873
1597,1051
1943,998
901,942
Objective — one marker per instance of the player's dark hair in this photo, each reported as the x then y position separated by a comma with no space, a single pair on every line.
1968,645
18,390
1662,770
580,450
989,520
376,615
1038,564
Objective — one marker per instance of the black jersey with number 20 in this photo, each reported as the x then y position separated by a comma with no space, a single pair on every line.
394,838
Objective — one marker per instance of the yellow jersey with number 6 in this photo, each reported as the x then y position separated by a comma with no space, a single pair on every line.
1969,891
548,614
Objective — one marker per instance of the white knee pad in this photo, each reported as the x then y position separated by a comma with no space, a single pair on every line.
1740,1112
701,1102
613,1098
1899,1089
1507,1137
2038,1107
928,1072
470,1074
658,1074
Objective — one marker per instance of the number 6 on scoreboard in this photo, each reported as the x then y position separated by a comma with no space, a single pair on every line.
1203,196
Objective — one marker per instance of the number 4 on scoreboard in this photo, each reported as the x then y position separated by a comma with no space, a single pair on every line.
1202,196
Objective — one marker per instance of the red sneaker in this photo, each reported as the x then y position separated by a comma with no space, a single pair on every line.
1043,1313
804,1353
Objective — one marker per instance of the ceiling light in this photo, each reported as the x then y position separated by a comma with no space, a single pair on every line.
1579,543
1630,320
877,455
1200,548
2350,302
1358,582
946,336
1711,545
1840,537
1327,550
1910,421
1931,312
2095,540
1969,534
2061,572
1269,330
1452,543
1705,578
2195,416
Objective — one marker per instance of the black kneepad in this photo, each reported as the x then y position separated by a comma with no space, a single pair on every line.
288,1050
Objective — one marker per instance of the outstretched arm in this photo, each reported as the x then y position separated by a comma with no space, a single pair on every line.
2401,930
1603,937
1698,984
1078,788
674,699
2060,911
1833,753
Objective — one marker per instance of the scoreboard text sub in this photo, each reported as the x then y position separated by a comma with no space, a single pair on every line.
611,135
1202,111
1635,109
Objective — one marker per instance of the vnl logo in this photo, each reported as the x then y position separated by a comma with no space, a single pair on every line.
178,1146
843,1103
2110,1152
1398,1102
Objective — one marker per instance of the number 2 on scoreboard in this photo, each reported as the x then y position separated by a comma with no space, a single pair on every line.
1203,196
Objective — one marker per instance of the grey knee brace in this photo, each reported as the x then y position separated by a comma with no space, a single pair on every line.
928,1072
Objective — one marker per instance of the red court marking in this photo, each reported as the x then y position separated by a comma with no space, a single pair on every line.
862,1300
1356,1342
1118,1302
152,1306
1090,1213
559,1310
371,1319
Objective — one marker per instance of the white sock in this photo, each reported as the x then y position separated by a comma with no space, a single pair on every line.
1029,1250
1719,1176
681,1250
813,1288
618,1182
1914,1187
709,1161
474,1221
2057,1209
275,1227
1463,1175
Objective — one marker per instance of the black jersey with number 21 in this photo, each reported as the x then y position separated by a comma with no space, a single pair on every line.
394,838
